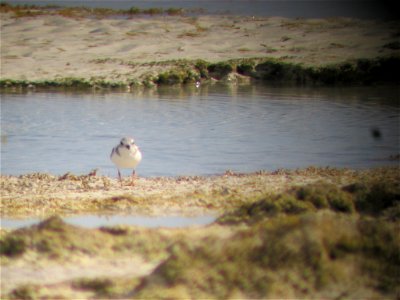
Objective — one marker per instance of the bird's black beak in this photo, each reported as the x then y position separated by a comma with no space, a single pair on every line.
128,147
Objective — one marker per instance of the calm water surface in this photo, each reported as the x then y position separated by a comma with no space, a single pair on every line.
201,131
95,221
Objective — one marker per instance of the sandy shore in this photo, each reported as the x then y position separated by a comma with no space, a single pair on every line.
50,47
43,195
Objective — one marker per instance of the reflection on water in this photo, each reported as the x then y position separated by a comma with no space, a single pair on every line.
200,131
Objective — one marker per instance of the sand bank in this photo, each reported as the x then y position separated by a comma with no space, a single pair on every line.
131,50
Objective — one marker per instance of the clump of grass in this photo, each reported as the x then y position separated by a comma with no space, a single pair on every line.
296,256
246,68
84,12
209,275
133,10
299,200
174,11
55,239
62,83
177,76
202,67
276,71
361,71
323,195
380,246
24,292
170,78
21,11
269,206
101,286
12,246
376,197
153,11
219,70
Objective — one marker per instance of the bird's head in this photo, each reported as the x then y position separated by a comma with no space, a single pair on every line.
127,142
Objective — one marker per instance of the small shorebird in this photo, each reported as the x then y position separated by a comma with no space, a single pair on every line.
126,156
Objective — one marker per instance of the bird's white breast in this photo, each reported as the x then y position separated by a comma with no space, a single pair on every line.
127,158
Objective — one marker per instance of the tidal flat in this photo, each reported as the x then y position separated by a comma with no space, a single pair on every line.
307,233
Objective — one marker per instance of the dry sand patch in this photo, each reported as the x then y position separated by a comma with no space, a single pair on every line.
52,46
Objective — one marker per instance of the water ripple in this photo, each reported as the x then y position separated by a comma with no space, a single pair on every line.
203,133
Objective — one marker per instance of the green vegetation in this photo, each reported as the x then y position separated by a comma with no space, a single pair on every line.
62,83
358,72
25,292
12,246
305,256
177,77
380,199
21,11
101,286
246,68
55,239
377,198
219,70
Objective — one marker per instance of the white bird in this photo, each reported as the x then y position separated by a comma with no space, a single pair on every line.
126,156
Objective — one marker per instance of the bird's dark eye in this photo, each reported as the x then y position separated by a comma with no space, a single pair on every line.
121,143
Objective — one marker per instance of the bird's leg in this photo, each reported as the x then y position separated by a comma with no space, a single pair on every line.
133,177
119,177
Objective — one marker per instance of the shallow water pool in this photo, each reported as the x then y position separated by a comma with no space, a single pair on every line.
201,131
95,221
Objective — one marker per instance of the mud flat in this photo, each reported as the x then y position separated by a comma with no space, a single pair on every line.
309,233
